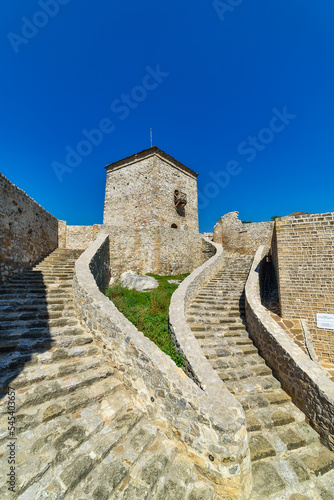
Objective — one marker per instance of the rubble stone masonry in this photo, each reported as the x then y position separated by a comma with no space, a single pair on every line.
28,231
303,256
242,238
158,250
140,192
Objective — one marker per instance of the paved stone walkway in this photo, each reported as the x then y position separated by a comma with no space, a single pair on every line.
80,432
288,460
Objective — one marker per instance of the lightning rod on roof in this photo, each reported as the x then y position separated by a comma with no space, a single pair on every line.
151,137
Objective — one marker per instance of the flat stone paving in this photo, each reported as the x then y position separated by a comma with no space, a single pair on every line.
80,432
288,460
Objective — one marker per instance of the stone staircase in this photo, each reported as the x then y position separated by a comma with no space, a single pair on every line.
79,432
288,460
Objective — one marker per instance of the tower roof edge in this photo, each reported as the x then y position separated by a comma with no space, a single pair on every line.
150,152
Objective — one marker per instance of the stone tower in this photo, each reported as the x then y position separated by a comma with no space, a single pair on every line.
151,188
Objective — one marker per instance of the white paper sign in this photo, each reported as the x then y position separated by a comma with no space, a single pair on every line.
325,321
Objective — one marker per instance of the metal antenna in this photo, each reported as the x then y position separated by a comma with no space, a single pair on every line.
151,137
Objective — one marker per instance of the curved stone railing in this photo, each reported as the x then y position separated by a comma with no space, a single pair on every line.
307,384
213,434
195,363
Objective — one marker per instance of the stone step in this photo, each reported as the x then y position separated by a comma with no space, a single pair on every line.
261,400
240,368
75,463
42,301
208,315
20,324
58,260
14,361
60,264
228,351
276,416
42,332
51,270
35,313
211,307
35,294
160,471
35,373
291,479
215,320
224,342
253,385
38,307
28,345
111,390
49,390
38,279
222,286
216,336
223,295
214,299
68,435
220,330
45,280
17,286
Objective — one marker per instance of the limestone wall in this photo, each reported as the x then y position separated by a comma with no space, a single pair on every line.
210,432
28,231
305,381
140,192
303,255
242,238
80,237
156,250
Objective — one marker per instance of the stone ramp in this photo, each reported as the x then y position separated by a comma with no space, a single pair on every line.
80,432
288,459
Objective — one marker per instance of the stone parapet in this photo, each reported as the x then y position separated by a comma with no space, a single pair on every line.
199,369
306,382
213,434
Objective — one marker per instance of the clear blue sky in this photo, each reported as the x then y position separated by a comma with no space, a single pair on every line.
228,69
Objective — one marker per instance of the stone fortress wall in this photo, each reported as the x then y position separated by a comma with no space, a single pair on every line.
140,192
157,250
235,236
302,250
28,231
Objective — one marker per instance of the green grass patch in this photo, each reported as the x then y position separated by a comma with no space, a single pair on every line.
148,311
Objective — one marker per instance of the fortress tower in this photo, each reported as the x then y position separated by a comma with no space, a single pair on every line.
151,188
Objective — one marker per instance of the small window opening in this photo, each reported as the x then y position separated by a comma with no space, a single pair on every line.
174,226
180,201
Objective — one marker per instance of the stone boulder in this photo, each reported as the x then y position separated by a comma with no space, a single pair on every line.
132,280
